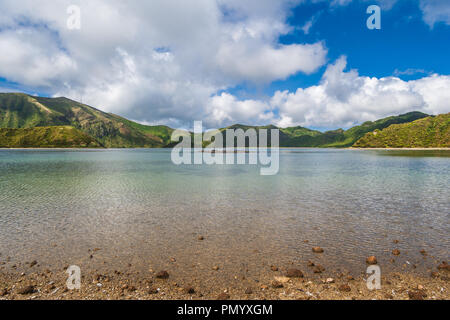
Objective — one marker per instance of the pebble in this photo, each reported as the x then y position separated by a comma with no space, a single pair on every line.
276,284
396,252
162,275
318,269
330,280
201,238
345,288
273,268
216,268
223,296
26,290
248,291
189,290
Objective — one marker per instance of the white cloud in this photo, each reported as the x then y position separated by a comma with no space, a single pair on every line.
344,99
435,11
150,60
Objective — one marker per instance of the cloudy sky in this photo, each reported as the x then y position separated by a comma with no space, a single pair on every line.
312,63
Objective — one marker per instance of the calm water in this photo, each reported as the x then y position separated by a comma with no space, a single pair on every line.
139,208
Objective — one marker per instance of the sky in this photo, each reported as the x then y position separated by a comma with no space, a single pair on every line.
311,63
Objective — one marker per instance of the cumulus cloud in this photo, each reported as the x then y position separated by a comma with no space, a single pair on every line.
344,98
435,11
156,61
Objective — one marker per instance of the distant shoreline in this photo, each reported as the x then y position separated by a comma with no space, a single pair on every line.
319,148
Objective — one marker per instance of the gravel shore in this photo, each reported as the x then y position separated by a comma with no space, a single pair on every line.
278,283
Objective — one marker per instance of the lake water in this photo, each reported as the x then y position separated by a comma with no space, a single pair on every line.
140,209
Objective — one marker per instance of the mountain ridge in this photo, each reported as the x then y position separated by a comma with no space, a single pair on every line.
22,111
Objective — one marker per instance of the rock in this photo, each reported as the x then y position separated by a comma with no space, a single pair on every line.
264,287
216,268
276,284
223,296
423,252
345,288
201,238
395,241
435,274
417,295
317,250
318,269
282,279
26,290
33,263
248,291
162,275
3,292
371,260
273,268
419,287
152,291
189,290
311,264
294,273
396,252
444,266
330,280
350,278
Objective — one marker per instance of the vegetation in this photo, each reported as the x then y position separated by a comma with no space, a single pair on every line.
21,111
46,137
430,132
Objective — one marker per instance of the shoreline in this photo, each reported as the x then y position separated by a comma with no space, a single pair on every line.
304,148
279,285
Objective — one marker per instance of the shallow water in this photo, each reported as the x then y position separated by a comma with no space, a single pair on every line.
140,209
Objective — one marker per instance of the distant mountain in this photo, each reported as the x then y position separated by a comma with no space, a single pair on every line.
46,137
430,132
19,110
303,137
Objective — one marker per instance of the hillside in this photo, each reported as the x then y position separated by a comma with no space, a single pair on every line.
46,137
430,132
303,137
23,111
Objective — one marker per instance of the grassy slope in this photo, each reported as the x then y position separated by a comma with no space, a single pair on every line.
46,137
430,132
303,137
112,131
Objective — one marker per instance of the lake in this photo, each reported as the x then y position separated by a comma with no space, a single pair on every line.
144,212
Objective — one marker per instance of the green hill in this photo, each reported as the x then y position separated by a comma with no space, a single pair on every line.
46,137
23,111
303,137
430,132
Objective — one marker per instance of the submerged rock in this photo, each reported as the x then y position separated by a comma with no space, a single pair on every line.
444,266
396,252
294,273
318,269
372,260
317,250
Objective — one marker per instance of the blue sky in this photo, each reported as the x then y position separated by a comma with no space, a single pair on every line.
312,63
